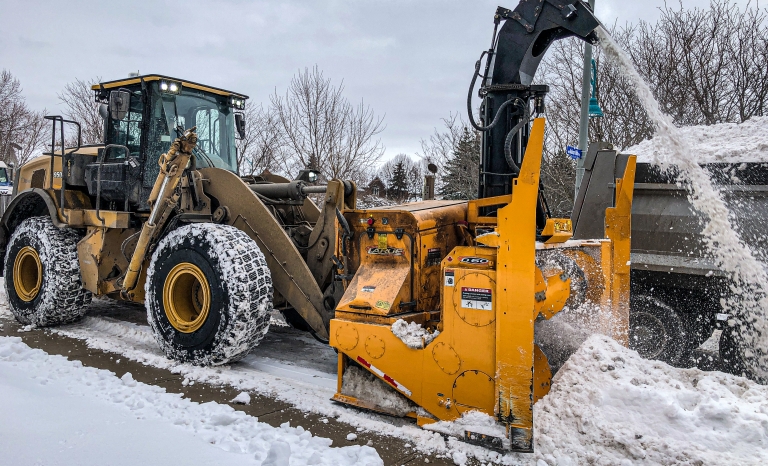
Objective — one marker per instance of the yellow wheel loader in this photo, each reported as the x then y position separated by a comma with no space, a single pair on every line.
157,214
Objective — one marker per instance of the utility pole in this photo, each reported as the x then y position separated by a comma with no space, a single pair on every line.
584,122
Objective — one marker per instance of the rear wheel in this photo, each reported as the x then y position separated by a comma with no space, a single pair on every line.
208,294
655,330
733,353
42,274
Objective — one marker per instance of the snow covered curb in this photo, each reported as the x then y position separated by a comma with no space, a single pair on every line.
136,343
211,423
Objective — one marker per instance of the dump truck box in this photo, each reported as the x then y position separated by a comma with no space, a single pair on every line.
671,264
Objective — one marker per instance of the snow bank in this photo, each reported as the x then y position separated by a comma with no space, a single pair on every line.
609,406
412,334
726,142
84,400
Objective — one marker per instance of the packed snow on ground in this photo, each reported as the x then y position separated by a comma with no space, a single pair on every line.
607,405
56,411
412,334
472,421
725,142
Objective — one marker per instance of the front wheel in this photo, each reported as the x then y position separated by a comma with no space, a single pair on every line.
42,274
208,294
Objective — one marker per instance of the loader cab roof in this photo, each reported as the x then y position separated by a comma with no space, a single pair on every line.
158,77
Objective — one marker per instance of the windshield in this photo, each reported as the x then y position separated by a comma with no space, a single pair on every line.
214,120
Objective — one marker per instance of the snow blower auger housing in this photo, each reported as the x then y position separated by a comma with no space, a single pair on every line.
158,215
477,301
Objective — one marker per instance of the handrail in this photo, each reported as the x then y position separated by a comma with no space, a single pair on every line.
98,175
61,120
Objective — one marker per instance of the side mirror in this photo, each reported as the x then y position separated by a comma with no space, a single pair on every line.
240,125
119,103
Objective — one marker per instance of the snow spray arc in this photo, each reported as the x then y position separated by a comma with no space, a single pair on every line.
750,301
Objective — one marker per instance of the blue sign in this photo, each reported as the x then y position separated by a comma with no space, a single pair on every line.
574,153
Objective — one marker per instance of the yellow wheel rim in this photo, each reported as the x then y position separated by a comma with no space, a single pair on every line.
27,274
186,297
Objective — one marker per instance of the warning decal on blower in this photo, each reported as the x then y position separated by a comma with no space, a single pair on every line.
477,298
449,278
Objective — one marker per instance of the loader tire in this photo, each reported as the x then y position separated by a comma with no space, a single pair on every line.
208,294
42,274
656,331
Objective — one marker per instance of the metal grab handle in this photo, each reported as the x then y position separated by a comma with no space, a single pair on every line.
98,175
61,120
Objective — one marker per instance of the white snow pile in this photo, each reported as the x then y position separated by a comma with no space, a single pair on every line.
56,411
609,406
725,142
412,334
242,398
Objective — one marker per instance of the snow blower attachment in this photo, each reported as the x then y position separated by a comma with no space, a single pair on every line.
473,309
442,297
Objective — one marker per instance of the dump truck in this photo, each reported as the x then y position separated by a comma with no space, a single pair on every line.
678,288
157,214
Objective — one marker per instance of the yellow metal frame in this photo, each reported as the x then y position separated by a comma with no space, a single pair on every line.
137,80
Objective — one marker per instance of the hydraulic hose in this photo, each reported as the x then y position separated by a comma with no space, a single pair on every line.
511,134
469,101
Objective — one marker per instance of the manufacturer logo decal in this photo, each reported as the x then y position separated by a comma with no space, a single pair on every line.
369,289
374,251
474,260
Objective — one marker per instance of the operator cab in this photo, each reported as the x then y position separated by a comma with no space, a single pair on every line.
143,115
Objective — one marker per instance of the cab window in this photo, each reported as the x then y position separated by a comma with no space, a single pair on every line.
127,132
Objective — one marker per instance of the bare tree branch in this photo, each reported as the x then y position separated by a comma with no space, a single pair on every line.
321,129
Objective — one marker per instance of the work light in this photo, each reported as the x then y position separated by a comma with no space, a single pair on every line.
170,87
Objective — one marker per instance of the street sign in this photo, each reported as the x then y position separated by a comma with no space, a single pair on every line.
574,152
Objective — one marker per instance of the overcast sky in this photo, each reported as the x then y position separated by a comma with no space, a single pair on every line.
410,60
